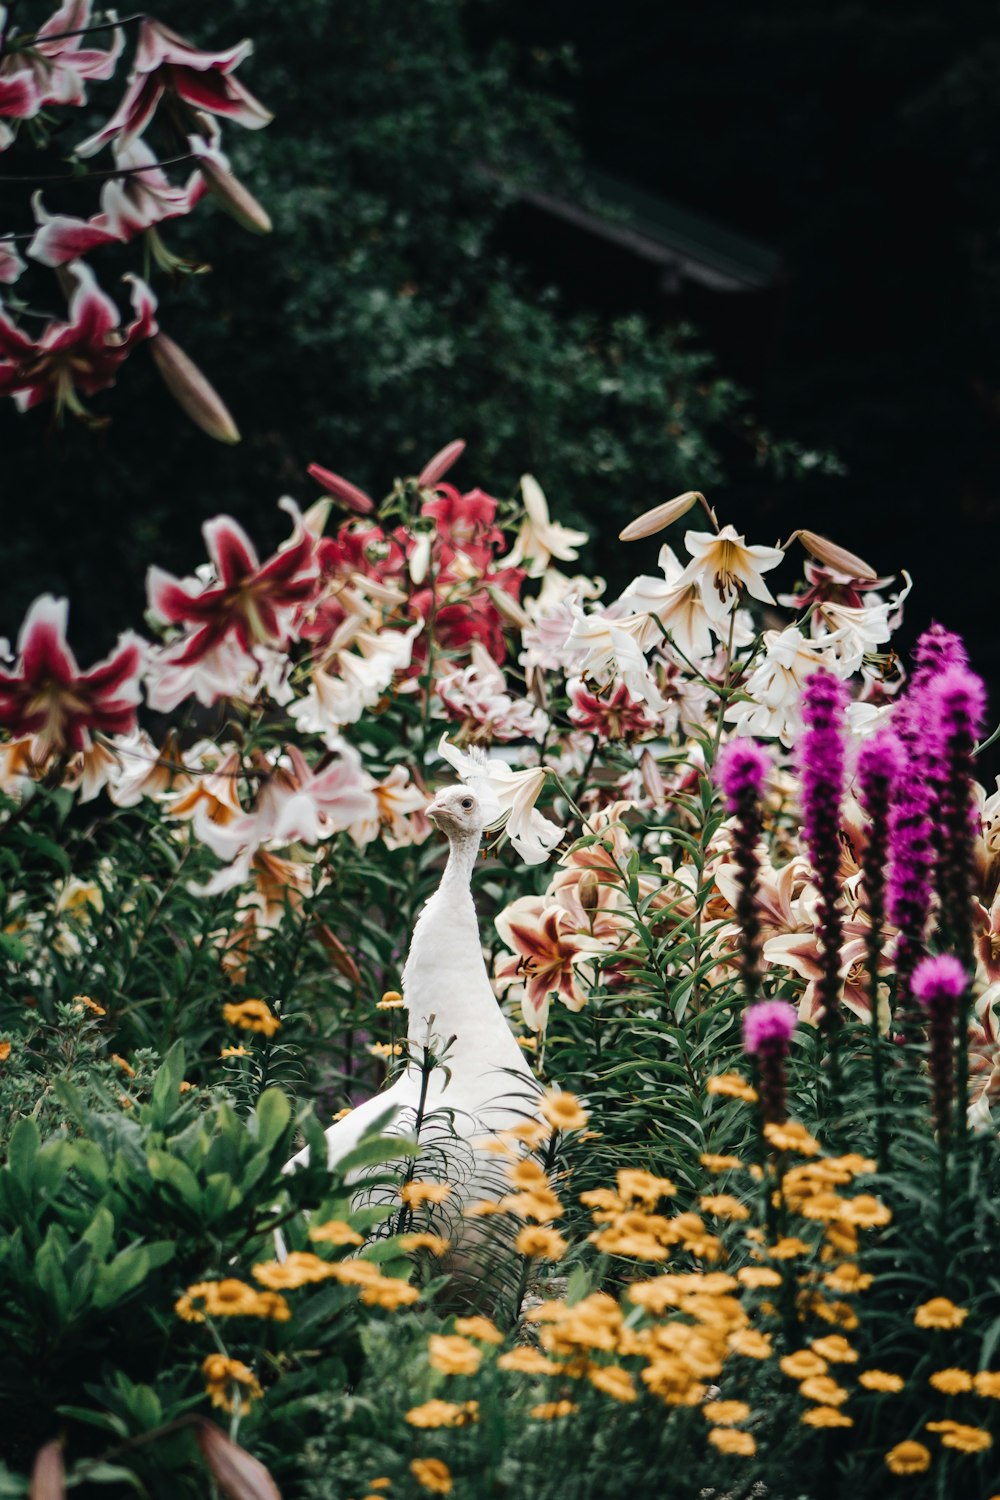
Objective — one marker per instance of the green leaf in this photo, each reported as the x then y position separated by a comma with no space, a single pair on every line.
272,1116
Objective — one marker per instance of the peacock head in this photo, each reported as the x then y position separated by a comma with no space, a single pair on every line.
460,811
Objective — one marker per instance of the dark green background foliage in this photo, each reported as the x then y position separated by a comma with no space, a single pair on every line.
376,323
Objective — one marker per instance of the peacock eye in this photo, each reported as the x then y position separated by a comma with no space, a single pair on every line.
466,802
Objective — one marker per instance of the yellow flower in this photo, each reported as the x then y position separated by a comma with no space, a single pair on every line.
415,1194
391,1000
719,1163
4,1051
541,1205
731,1086
481,1210
758,1276
835,1348
230,1384
385,1049
728,1441
987,1383
526,1361
235,1052
545,1411
613,1381
388,1292
908,1458
788,1248
530,1133
826,1416
298,1269
750,1343
433,1474
848,1279
89,1004
952,1381
726,1413
251,1015
866,1212
453,1355
965,1439
443,1414
529,1043
230,1299
563,1111
823,1389
840,1314
940,1312
635,1185
435,1243
540,1243
723,1206
479,1328
126,1067
791,1136
380,1484
802,1365
342,1114
527,1173
881,1380
335,1232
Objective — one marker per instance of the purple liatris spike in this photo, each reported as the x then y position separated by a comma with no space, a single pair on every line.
957,709
939,985
767,1033
742,770
821,769
881,763
911,850
936,650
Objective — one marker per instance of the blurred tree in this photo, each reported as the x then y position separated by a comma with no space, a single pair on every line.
377,322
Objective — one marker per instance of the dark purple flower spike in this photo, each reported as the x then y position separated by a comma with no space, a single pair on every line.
821,767
742,770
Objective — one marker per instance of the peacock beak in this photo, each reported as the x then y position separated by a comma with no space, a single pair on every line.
434,808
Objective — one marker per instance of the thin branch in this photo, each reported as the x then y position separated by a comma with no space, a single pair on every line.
59,36
172,161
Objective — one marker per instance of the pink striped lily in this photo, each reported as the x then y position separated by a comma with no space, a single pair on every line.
166,65
48,697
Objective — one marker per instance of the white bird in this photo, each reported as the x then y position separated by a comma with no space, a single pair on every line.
486,1084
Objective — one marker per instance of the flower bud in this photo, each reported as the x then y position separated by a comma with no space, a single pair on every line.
589,890
833,556
192,392
661,516
234,198
508,606
48,1477
420,558
437,467
237,1473
342,489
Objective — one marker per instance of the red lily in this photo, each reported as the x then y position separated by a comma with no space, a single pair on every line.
165,64
49,697
82,354
254,603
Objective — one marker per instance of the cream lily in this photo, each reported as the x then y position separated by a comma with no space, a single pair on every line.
541,538
723,566
514,794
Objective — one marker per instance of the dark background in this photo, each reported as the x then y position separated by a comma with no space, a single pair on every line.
404,297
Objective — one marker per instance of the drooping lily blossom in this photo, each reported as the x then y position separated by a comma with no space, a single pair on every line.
48,697
19,99
11,264
129,205
60,64
82,354
253,602
165,64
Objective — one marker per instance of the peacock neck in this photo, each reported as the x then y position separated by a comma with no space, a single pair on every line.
456,879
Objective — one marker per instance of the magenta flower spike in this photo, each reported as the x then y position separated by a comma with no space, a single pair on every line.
957,711
939,985
821,768
881,764
767,1033
741,771
911,851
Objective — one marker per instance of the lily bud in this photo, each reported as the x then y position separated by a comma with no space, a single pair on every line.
437,467
508,607
589,890
420,558
237,1473
234,198
652,779
192,392
833,556
342,489
338,953
661,516
48,1477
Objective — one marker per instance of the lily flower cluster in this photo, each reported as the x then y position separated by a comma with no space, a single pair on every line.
182,92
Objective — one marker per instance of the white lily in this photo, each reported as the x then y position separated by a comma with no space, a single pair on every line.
613,649
514,794
723,565
775,687
541,538
678,606
360,681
